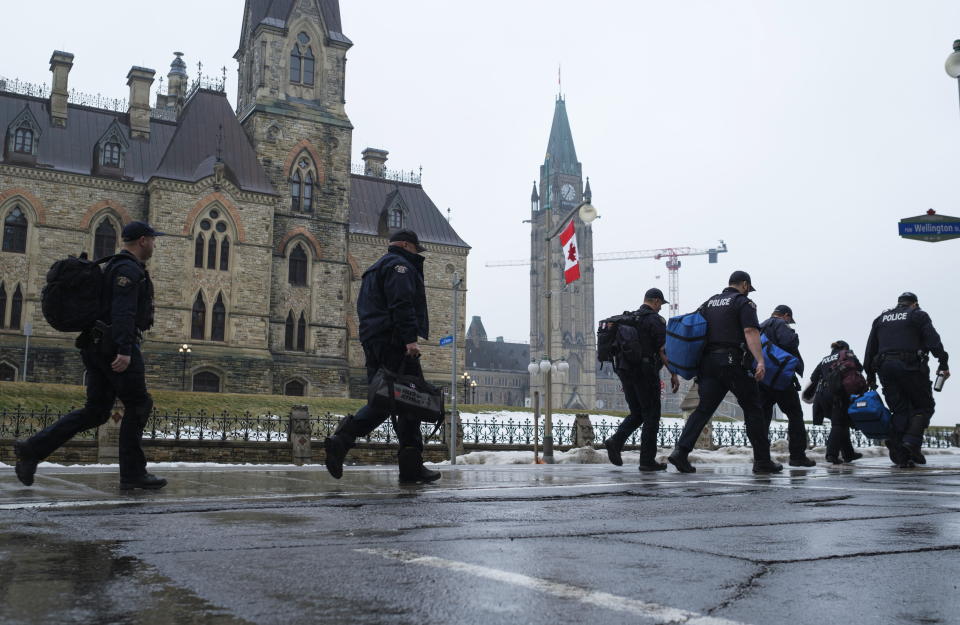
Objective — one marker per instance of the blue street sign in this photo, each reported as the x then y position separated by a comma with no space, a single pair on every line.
446,340
930,227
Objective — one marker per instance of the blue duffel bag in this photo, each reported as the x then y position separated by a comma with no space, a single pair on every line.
686,337
779,363
869,415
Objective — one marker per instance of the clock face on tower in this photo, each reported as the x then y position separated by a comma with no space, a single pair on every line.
567,192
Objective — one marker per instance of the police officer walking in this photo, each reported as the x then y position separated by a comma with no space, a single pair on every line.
778,331
826,393
111,354
639,373
898,348
392,308
733,337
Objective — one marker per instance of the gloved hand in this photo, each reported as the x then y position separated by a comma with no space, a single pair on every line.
872,382
796,384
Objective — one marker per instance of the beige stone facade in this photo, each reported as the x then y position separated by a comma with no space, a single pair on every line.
259,270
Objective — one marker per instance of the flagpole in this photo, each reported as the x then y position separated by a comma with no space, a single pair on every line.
587,214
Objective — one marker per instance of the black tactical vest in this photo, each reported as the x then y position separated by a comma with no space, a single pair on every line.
896,332
722,312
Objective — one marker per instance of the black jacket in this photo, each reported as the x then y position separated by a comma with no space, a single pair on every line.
783,336
128,301
903,329
651,335
392,304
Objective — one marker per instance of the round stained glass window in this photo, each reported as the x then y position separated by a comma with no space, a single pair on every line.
214,214
205,224
221,227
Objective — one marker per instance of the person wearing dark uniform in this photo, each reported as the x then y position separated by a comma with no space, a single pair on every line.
898,348
733,336
111,354
832,405
639,373
778,331
392,308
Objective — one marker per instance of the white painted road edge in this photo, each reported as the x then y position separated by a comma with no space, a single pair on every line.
659,613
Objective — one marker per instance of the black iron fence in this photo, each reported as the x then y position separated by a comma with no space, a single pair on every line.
20,423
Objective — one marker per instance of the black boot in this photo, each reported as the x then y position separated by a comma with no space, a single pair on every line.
614,447
147,481
336,451
767,466
833,458
26,463
850,456
412,470
893,450
801,461
653,466
912,451
678,458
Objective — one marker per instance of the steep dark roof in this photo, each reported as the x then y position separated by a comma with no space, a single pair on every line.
192,152
498,355
71,149
277,12
560,148
369,199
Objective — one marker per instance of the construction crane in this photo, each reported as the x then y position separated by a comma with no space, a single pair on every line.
671,254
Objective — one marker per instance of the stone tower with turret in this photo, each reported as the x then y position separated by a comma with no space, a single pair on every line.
290,102
562,188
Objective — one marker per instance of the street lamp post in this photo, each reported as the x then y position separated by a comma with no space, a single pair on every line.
465,378
587,214
952,64
473,387
184,352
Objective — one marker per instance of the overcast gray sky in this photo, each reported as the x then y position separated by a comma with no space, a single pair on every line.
798,132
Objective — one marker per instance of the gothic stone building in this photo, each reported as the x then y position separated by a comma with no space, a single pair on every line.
269,229
498,367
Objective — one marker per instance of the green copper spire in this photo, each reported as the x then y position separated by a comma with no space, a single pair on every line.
560,149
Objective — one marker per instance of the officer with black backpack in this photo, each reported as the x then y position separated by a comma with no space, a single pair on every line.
111,354
637,358
898,349
778,331
733,337
392,308
833,381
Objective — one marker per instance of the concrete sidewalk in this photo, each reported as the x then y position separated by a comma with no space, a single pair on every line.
487,544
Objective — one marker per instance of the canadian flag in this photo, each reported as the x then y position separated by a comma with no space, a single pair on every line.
571,258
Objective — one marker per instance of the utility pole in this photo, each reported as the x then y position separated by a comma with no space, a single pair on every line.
27,332
457,281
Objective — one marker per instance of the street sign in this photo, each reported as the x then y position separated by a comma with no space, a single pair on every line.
446,340
930,227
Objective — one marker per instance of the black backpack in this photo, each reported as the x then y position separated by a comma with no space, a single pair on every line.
71,299
617,336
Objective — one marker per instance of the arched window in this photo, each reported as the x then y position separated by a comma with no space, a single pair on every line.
15,232
104,240
218,326
225,255
296,189
302,63
307,204
16,309
8,373
288,332
212,252
111,154
395,219
301,334
3,305
23,141
198,252
206,382
198,318
298,267
295,388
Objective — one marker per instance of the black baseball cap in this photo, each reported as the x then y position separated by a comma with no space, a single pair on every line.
907,296
409,236
741,276
136,229
655,294
783,309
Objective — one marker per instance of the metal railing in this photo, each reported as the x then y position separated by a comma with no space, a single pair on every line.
394,175
224,426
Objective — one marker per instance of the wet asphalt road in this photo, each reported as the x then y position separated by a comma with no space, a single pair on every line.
486,545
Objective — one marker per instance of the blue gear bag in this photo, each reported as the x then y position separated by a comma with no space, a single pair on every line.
686,337
779,363
869,415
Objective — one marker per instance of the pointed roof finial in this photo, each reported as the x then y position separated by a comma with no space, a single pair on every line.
587,193
534,197
559,82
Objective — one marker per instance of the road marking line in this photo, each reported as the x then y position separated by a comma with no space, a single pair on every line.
848,489
661,613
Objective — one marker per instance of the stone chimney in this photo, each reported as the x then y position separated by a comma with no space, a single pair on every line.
60,65
374,162
140,79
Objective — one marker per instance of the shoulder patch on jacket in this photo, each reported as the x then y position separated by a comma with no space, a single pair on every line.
400,269
123,281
